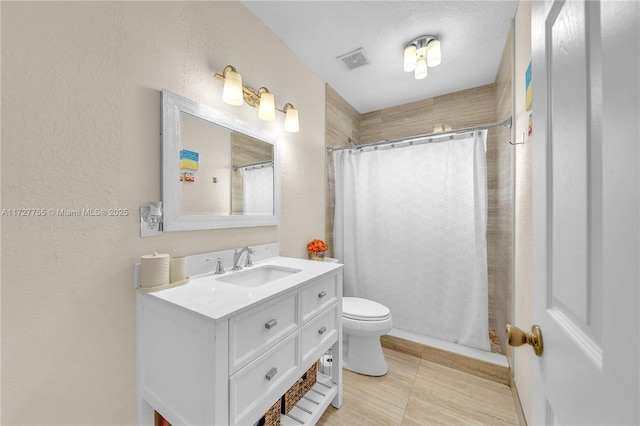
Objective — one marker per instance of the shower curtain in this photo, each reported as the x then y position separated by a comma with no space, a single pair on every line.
257,190
410,228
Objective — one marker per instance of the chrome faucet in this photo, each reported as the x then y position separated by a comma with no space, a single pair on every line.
236,258
219,265
249,260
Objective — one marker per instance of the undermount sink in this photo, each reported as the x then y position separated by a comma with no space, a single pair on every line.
258,276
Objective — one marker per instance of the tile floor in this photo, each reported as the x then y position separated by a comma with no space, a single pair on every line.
420,392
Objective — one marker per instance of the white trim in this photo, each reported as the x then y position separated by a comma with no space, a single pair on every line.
172,105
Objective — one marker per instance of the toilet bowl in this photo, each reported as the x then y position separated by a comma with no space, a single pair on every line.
363,322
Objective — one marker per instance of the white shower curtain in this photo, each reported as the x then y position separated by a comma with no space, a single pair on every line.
410,227
257,190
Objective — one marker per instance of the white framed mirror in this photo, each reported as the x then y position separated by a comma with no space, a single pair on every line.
217,171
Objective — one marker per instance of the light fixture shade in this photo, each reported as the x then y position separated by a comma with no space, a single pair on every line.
434,55
291,120
267,109
232,91
421,65
410,58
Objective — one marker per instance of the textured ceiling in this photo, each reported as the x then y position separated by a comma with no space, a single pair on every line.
472,35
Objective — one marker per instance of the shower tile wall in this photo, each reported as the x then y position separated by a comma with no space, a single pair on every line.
343,123
461,109
500,223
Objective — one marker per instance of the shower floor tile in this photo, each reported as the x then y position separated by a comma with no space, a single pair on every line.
418,392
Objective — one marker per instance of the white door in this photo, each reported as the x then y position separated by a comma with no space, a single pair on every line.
585,211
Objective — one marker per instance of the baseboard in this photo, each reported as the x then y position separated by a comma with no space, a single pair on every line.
486,370
516,402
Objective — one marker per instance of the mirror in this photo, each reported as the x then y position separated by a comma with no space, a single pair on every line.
217,171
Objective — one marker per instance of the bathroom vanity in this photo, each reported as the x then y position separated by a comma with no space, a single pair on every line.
223,349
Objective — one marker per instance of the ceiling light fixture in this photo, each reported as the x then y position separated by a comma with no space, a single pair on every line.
420,53
234,93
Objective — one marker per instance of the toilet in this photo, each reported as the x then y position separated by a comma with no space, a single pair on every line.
363,322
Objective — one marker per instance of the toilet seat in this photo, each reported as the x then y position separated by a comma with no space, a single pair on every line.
359,309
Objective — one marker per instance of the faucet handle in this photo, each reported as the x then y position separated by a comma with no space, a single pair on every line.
249,261
219,266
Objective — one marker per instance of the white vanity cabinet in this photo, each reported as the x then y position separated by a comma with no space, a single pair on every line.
226,359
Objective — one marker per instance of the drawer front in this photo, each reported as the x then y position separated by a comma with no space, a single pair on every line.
255,388
319,334
318,295
255,331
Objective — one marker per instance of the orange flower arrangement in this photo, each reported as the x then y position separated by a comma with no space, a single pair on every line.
316,246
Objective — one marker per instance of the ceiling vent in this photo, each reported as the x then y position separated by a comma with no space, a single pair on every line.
354,59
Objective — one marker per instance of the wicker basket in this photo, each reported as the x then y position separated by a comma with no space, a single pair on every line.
272,416
302,386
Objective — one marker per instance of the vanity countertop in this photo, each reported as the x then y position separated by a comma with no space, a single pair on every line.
208,296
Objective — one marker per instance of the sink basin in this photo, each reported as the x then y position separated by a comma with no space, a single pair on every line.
258,276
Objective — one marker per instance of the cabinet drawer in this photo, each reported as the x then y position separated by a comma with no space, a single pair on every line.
253,388
318,295
255,331
318,334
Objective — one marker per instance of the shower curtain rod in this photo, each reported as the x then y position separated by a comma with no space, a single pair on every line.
506,123
256,165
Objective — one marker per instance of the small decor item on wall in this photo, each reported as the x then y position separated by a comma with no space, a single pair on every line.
528,87
189,159
187,177
316,250
530,124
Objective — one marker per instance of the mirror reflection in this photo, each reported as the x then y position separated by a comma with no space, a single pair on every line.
223,172
252,175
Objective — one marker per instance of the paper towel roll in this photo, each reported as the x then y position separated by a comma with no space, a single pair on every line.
154,270
178,269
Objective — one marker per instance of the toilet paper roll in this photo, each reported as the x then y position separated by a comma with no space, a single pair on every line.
154,270
178,269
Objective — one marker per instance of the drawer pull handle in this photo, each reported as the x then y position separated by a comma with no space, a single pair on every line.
322,330
322,294
271,374
271,324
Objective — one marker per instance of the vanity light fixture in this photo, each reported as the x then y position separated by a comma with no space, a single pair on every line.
234,93
420,53
291,119
151,220
267,108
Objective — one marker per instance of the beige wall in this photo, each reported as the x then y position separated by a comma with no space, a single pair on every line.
81,129
523,228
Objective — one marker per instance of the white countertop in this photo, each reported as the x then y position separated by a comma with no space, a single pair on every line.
207,296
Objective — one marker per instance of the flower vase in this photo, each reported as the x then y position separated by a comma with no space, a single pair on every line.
316,255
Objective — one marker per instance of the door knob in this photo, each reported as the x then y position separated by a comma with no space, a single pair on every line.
518,337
